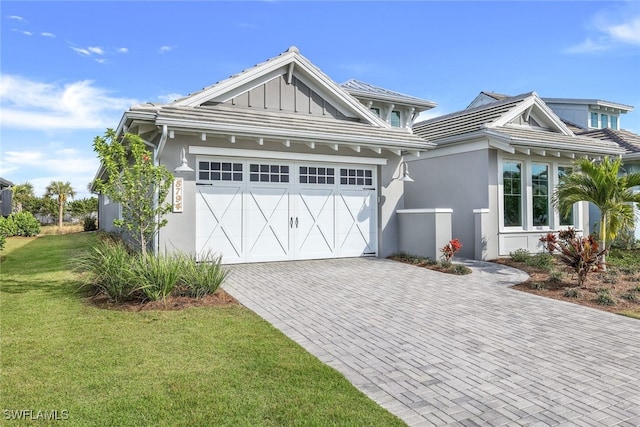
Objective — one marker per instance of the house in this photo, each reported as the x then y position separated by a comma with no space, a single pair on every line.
281,163
6,197
495,165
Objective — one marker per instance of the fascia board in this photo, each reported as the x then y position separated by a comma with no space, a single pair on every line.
574,148
253,131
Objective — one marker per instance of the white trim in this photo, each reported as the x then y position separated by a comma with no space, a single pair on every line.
280,155
482,211
419,211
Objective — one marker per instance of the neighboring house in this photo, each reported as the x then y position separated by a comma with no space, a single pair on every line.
630,142
496,164
285,164
6,197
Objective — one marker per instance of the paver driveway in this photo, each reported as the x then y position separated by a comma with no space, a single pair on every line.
439,349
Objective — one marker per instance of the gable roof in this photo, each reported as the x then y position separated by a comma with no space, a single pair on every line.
364,90
208,111
4,183
287,62
494,121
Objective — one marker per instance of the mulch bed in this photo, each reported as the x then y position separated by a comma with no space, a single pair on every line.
219,298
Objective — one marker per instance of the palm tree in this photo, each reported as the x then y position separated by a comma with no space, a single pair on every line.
603,185
22,193
61,190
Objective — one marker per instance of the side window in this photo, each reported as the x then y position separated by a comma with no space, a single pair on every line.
512,193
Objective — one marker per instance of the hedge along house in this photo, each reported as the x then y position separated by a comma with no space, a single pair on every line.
495,165
279,162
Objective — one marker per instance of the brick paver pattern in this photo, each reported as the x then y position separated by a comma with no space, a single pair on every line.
439,349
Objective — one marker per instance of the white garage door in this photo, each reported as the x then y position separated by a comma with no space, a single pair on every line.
252,211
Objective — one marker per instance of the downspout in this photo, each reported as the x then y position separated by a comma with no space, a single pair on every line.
156,155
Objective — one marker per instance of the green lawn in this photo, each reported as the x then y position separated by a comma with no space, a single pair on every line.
200,366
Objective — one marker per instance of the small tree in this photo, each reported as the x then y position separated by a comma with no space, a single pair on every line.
62,191
22,195
601,184
131,179
83,207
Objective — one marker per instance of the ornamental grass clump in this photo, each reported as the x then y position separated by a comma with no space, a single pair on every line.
157,275
109,270
201,278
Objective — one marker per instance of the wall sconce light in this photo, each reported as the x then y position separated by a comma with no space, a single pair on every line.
405,173
184,167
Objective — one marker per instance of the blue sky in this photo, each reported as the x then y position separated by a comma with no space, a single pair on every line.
70,69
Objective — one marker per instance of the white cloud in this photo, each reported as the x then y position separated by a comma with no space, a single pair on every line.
95,49
165,49
31,104
627,32
26,33
614,29
81,51
123,50
48,35
589,46
16,18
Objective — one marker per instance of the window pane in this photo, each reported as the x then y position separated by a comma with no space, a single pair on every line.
512,194
594,120
539,187
565,219
204,166
395,119
614,122
605,121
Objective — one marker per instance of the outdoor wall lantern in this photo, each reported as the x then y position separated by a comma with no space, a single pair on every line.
184,167
405,173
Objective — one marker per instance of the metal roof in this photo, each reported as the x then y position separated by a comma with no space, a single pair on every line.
361,89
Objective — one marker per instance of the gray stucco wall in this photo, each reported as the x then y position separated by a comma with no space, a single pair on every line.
459,182
108,211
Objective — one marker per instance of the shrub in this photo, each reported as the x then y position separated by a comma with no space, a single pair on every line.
8,226
450,249
572,293
631,297
27,225
109,270
582,256
202,278
538,286
567,235
3,240
604,297
519,255
549,242
89,224
157,275
460,269
556,276
543,260
610,277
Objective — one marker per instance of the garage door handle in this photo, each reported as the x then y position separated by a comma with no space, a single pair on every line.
291,222
296,222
